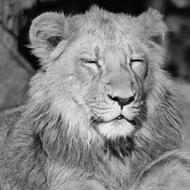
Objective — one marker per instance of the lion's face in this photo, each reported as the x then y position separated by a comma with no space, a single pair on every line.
97,69
109,79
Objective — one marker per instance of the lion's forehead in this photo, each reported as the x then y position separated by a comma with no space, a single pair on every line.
120,48
106,31
109,25
112,33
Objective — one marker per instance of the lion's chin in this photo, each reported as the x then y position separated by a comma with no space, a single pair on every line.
116,128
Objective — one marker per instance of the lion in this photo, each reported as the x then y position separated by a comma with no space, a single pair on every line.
101,114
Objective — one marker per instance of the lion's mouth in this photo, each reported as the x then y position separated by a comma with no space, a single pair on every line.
119,118
114,128
123,118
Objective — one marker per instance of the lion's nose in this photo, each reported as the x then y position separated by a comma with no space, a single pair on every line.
122,101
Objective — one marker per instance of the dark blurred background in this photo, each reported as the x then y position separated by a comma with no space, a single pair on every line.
17,65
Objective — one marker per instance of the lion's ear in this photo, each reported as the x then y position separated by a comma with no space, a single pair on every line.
154,27
46,32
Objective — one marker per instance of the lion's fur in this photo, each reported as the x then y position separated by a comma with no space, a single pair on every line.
50,143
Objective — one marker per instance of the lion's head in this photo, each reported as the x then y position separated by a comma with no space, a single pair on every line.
102,77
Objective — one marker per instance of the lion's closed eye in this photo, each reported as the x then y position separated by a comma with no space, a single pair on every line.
91,63
139,66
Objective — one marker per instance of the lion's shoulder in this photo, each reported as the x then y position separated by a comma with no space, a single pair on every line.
171,171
